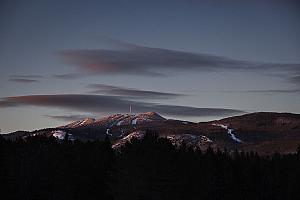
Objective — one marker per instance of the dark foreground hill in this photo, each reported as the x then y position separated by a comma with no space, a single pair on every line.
265,133
44,168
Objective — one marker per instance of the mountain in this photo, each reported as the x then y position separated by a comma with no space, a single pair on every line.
263,132
264,121
266,132
117,120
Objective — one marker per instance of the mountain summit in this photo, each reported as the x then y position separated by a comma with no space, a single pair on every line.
118,120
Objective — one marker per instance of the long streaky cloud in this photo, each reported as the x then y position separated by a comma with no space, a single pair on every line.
27,76
271,91
110,104
23,80
67,76
130,92
142,60
295,79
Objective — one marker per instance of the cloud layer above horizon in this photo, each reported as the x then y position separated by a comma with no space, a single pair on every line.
134,59
130,92
108,104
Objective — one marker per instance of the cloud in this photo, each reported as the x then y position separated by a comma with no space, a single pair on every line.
142,60
110,104
130,92
67,117
174,110
67,76
25,78
278,91
37,78
295,79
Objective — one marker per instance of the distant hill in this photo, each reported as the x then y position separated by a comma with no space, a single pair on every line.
263,132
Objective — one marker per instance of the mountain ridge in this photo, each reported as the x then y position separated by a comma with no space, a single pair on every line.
264,132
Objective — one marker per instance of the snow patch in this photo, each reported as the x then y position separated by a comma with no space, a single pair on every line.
85,121
107,132
189,140
133,122
120,123
59,134
230,131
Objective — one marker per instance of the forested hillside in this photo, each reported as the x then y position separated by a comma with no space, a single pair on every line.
150,168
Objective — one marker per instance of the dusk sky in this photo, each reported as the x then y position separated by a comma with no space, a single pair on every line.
195,60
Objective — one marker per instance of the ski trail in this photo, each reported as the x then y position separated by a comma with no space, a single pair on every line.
230,131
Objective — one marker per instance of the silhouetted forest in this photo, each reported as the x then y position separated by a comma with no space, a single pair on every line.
151,168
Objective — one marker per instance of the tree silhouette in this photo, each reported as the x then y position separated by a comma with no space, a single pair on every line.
150,168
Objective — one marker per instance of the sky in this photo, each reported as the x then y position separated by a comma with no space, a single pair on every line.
198,60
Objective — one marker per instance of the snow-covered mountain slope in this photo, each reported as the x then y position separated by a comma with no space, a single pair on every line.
80,123
117,120
122,141
190,140
128,119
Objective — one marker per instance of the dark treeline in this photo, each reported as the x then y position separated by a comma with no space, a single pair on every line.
151,168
